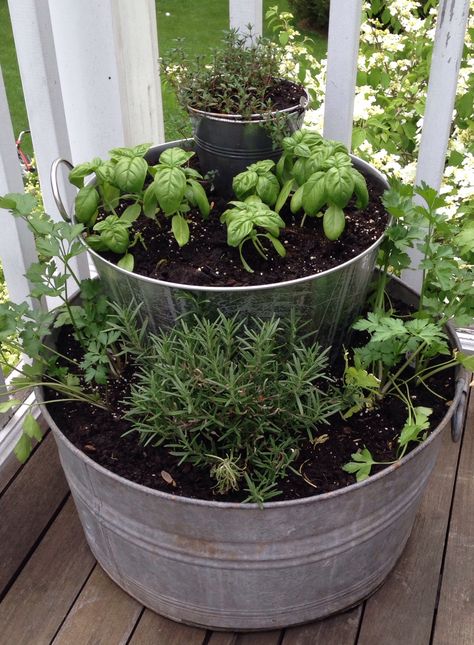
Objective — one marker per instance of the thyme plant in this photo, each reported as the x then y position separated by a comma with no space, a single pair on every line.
232,399
236,80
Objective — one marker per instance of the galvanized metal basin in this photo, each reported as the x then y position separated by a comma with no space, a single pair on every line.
239,567
228,144
329,301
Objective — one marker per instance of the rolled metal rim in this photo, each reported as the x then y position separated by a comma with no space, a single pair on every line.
254,118
347,490
252,288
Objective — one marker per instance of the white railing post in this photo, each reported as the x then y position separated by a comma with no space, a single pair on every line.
343,48
106,52
17,248
37,61
245,12
440,97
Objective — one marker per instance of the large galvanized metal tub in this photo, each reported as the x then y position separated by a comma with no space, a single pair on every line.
228,144
240,567
329,301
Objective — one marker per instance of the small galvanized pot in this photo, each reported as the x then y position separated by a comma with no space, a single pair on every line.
227,144
230,566
329,301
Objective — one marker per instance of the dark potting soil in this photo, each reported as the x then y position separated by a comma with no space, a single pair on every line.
207,260
99,434
283,94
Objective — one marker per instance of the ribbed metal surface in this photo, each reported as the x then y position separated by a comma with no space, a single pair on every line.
229,566
329,301
239,567
229,144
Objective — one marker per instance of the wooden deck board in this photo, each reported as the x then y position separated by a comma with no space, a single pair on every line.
402,610
338,630
455,617
41,596
100,598
156,630
40,486
61,597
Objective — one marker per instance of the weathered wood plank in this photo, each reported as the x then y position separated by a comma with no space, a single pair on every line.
455,618
8,470
223,638
41,596
338,630
259,638
250,638
402,610
28,505
154,629
100,599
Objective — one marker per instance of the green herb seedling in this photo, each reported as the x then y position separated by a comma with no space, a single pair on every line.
319,177
174,189
258,180
246,221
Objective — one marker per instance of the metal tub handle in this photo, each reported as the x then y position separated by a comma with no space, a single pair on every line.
55,187
457,420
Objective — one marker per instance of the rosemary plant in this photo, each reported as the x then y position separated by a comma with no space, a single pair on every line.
232,399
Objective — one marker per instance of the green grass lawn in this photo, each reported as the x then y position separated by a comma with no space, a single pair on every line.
201,23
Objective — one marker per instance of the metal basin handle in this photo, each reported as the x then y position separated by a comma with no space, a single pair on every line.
55,187
458,418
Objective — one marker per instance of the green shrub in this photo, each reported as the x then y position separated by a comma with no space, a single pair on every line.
235,400
315,13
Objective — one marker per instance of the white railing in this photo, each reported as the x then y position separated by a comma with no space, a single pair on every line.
91,82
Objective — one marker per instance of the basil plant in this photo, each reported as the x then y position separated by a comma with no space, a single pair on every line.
319,179
170,187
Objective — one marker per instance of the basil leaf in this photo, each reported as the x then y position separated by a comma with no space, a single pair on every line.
81,171
86,203
200,197
180,229
268,188
262,167
127,262
284,194
116,238
277,245
96,243
130,173
131,213
110,196
244,183
296,200
237,230
333,222
283,168
314,193
170,186
175,157
360,189
299,171
339,185
106,172
150,202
